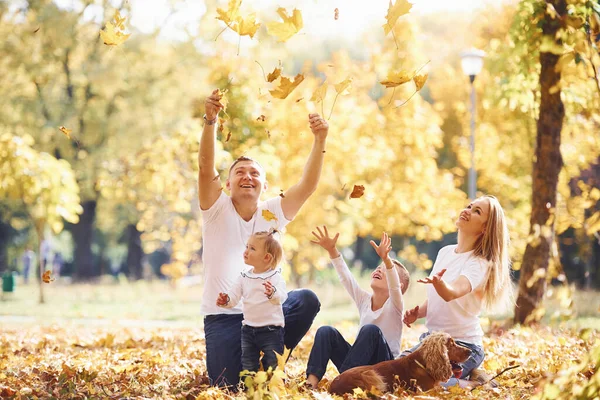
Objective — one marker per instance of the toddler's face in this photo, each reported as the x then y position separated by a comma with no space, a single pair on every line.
256,255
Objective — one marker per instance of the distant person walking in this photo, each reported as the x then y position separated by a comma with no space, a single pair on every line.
27,259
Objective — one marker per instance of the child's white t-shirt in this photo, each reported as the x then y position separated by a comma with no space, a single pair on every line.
460,317
258,309
224,238
389,317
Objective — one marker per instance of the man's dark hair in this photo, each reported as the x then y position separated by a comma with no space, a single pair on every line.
243,158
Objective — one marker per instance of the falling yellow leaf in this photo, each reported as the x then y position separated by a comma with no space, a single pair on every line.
47,277
397,78
357,192
66,131
268,215
420,81
261,118
274,75
286,86
288,28
119,21
112,37
336,14
343,85
320,93
242,25
395,11
228,137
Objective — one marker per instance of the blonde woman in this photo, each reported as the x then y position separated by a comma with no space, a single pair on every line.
466,278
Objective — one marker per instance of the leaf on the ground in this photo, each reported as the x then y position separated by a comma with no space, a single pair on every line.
286,86
268,215
357,191
282,358
420,81
395,11
397,78
289,27
66,131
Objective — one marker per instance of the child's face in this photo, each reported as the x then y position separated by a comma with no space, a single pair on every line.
379,278
256,255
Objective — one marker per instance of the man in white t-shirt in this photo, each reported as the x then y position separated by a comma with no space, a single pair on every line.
228,222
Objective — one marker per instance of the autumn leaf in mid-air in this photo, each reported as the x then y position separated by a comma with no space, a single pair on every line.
268,215
66,131
343,85
113,34
289,27
232,18
261,118
223,99
336,14
395,11
420,81
397,78
320,93
286,86
274,75
357,192
47,277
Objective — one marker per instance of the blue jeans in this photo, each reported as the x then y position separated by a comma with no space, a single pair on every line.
369,348
223,335
474,360
268,339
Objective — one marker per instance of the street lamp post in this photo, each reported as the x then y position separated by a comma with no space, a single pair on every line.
472,62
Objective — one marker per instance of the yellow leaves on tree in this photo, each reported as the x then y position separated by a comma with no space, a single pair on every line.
244,26
395,11
286,86
288,28
113,35
268,216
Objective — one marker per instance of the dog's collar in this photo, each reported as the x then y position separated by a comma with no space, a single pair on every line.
420,365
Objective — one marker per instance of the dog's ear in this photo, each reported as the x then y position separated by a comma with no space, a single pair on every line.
435,355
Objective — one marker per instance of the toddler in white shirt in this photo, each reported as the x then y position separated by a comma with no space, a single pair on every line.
263,291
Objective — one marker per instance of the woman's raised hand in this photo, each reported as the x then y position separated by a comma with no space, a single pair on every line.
435,279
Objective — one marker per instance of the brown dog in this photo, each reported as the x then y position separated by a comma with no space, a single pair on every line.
427,367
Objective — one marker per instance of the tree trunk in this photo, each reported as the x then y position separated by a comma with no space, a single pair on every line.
83,236
134,253
546,168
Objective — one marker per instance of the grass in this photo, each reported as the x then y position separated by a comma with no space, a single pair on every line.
159,301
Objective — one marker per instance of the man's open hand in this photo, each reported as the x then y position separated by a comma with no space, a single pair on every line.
318,126
212,106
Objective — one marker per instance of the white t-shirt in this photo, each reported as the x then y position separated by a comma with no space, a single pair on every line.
224,238
460,317
389,317
258,309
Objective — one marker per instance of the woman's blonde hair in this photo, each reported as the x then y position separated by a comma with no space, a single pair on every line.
272,245
493,245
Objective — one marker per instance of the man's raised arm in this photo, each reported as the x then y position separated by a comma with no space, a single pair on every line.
297,195
209,184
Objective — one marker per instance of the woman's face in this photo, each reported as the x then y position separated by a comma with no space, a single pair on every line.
473,218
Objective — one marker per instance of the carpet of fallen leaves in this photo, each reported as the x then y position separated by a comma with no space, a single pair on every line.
73,361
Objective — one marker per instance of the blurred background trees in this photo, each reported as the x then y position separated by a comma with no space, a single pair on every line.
133,114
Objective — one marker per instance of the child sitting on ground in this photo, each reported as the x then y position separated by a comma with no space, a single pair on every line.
263,289
380,314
